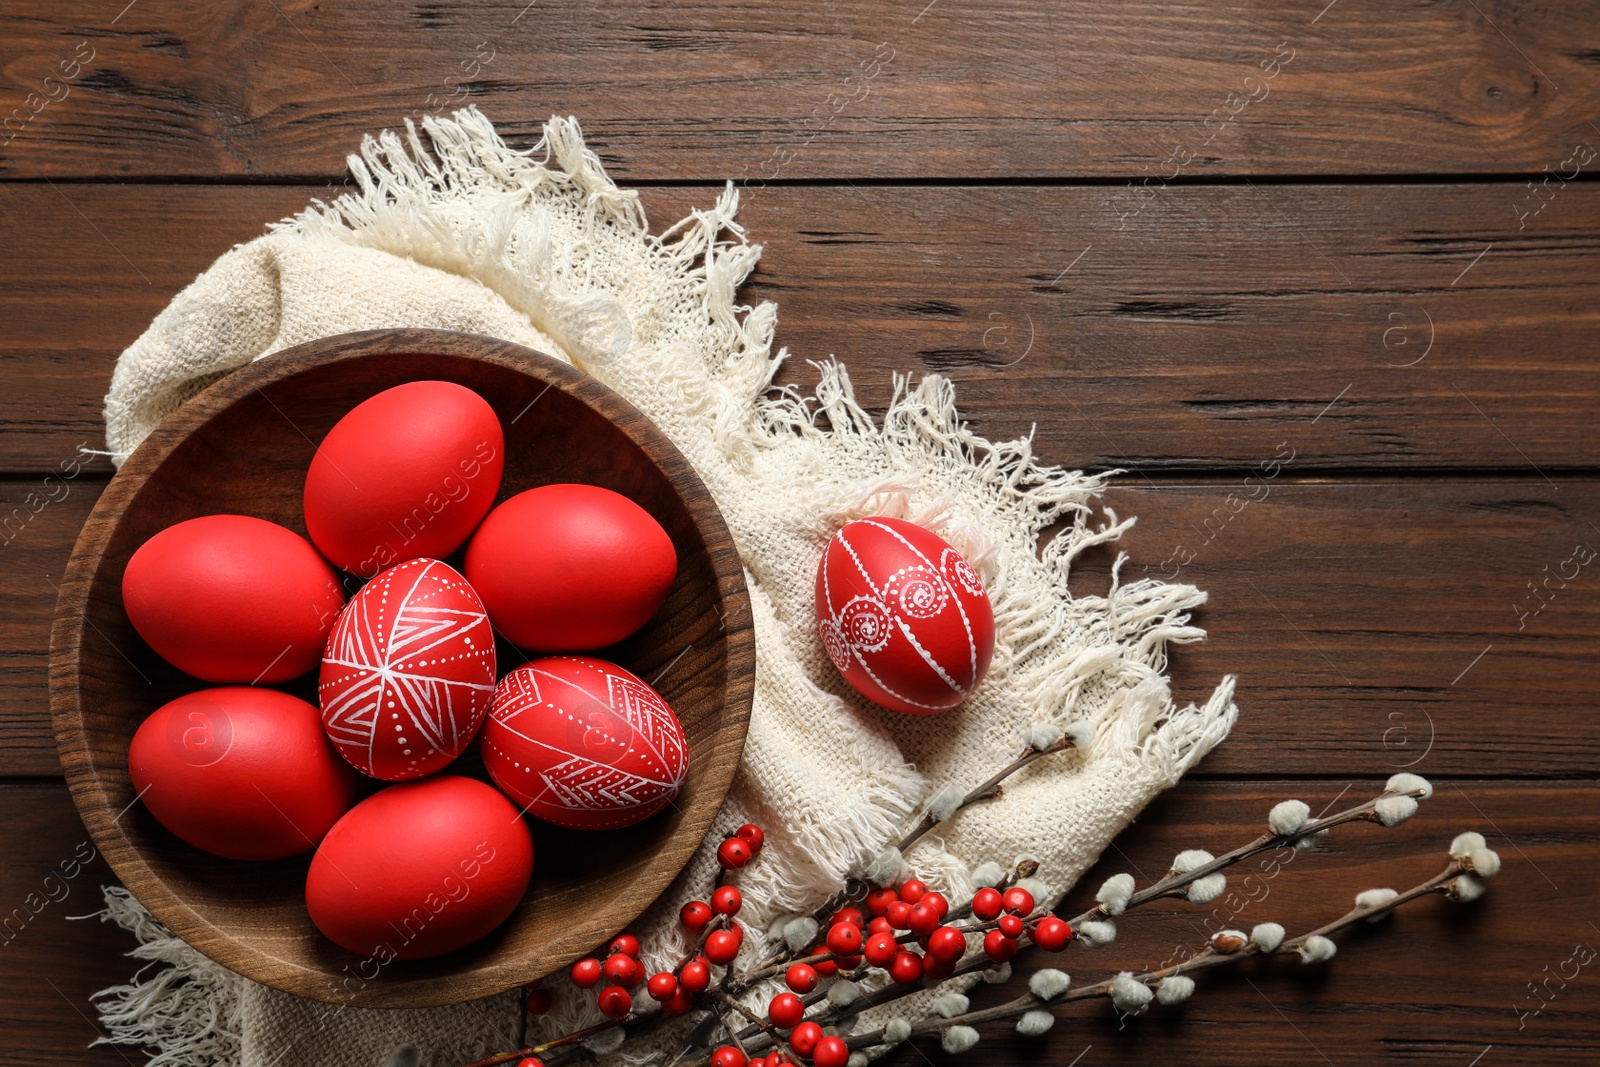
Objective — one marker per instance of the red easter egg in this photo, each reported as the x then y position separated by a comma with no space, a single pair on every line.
904,618
409,672
584,744
566,568
420,869
407,473
245,773
230,598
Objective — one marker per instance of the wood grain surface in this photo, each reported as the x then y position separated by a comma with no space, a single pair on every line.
1380,326
1349,243
695,89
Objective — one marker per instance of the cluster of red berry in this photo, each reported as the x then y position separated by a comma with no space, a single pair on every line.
675,990
1010,911
903,931
902,921
807,1039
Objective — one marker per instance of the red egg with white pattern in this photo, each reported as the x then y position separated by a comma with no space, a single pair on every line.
903,616
408,675
584,744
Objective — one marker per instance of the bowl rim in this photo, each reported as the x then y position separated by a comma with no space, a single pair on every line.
84,772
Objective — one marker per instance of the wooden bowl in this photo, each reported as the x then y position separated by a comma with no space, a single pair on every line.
243,445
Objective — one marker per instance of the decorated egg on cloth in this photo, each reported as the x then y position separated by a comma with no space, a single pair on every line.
566,568
584,743
420,869
242,772
407,473
230,598
409,671
903,616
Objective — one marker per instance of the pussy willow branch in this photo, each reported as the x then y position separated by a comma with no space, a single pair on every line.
1169,885
986,791
1173,880
1205,959
732,985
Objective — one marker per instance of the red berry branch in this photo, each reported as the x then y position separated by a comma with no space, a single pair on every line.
884,941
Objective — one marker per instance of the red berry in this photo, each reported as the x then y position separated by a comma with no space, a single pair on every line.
662,985
879,900
727,900
586,973
1019,900
752,835
615,1001
831,1052
935,970
786,1010
777,1059
849,963
852,916
530,1061
626,944
937,902
695,976
898,912
880,949
879,925
727,1056
802,978
538,1001
923,919
906,967
734,853
695,915
824,967
722,946
947,944
757,1062
1051,933
679,1002
805,1037
912,891
623,970
986,903
998,946
1011,926
844,939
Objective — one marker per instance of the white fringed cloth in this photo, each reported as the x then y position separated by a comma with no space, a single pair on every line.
449,228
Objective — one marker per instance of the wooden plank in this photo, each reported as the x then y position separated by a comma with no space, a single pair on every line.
49,965
749,91
1432,987
1392,327
1373,626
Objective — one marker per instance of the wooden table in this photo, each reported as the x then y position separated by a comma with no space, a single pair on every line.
1322,280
